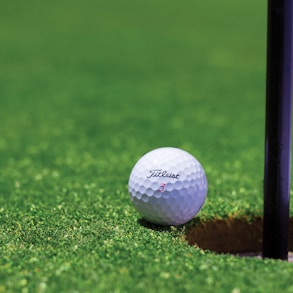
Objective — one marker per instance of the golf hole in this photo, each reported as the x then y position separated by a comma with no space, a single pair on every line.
234,236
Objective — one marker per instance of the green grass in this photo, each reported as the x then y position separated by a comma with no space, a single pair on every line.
88,87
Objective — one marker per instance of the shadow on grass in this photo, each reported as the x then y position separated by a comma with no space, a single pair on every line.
151,226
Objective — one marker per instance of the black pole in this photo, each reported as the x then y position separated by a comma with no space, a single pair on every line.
278,129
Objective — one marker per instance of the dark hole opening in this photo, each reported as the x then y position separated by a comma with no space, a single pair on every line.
235,236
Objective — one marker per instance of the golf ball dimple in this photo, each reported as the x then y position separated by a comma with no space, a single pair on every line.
168,186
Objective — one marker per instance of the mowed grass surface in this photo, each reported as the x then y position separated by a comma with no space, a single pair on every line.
88,87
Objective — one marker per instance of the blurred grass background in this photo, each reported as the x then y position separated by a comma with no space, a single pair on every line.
88,87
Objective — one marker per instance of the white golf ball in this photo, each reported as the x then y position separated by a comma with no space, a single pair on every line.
168,186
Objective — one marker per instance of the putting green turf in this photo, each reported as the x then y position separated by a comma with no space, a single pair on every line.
88,87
